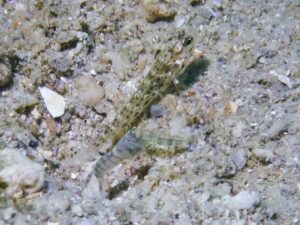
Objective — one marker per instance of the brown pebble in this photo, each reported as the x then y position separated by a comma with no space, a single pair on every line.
156,13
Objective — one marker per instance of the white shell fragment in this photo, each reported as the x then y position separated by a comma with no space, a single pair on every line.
282,78
179,22
55,103
285,80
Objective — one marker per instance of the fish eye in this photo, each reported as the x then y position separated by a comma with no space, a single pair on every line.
188,40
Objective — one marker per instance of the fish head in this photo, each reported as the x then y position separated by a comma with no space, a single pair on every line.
178,53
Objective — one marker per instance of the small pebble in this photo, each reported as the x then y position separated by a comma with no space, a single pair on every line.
239,158
262,60
278,127
56,202
89,92
36,114
24,102
8,213
157,111
207,13
21,174
157,12
60,66
217,3
119,64
77,210
60,86
263,155
74,175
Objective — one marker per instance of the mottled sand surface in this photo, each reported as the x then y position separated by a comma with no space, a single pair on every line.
68,67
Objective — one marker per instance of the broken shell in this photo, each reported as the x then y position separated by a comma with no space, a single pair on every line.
54,102
230,108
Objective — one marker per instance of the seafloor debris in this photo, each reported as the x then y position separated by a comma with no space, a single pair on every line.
243,200
20,175
89,92
158,11
55,103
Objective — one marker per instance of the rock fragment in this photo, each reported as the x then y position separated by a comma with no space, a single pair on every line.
239,158
263,155
8,213
23,102
217,3
283,79
20,174
60,66
243,200
89,92
119,64
55,103
278,127
53,204
207,13
158,12
77,210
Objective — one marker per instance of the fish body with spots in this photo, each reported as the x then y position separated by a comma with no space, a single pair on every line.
170,62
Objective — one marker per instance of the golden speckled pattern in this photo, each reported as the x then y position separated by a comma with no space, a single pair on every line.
169,63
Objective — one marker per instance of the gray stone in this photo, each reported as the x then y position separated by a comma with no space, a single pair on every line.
77,210
243,200
239,158
60,66
157,111
264,155
21,175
